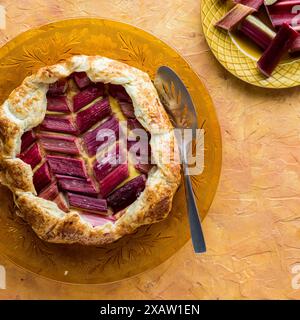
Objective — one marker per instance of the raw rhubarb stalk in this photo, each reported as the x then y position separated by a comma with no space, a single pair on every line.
58,124
118,92
59,143
87,96
278,47
76,185
108,162
90,116
50,193
61,203
113,179
67,166
81,79
255,4
127,194
238,13
127,109
296,45
58,88
285,12
32,156
42,177
97,220
57,104
28,139
87,203
257,31
102,135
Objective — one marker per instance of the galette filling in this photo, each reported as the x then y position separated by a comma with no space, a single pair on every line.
79,156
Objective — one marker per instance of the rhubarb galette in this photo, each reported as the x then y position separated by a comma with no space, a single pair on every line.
59,169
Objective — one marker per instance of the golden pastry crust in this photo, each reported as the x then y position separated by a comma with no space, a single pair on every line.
25,108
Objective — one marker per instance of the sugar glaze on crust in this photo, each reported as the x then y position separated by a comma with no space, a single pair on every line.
25,109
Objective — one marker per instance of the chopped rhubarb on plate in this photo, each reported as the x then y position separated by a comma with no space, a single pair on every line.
50,193
97,220
105,133
28,138
59,143
87,118
67,166
87,203
81,79
255,4
58,88
86,96
58,104
279,46
76,185
32,155
113,179
257,31
296,45
127,194
42,177
237,14
284,12
59,124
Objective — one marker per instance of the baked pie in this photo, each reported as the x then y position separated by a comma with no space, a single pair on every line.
63,154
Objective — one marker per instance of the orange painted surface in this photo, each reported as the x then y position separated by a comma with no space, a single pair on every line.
252,229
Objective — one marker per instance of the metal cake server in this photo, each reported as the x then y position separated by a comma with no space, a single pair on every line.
179,105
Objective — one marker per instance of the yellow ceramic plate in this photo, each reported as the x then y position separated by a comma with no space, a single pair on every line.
150,245
238,56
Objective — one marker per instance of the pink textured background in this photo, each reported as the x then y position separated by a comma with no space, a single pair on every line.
253,227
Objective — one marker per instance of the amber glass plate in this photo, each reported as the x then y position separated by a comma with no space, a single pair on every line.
150,245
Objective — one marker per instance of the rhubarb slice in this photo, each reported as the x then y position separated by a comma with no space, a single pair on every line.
284,12
57,104
127,194
97,220
32,156
76,185
58,88
50,193
108,163
58,124
296,45
42,177
87,203
59,143
28,139
86,96
255,4
90,116
278,47
102,135
81,79
67,166
134,124
112,180
238,13
62,203
143,167
118,92
257,31
127,109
